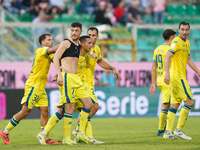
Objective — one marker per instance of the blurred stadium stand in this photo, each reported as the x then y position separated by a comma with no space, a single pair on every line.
125,43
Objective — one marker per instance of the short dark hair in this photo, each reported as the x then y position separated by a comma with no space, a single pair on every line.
43,37
168,33
93,28
76,24
184,23
83,38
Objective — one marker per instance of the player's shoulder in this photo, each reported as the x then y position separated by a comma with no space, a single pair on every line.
81,57
42,50
187,41
159,47
177,40
97,48
166,46
66,41
156,49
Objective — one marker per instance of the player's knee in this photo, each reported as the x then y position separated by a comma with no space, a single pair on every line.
191,102
70,108
166,106
45,113
88,105
61,111
175,106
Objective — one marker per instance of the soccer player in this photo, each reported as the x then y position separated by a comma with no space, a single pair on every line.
70,86
35,95
86,45
179,53
158,71
90,68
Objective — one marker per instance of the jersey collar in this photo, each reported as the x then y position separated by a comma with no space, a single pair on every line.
182,39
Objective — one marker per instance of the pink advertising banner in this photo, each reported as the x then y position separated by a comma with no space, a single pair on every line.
14,75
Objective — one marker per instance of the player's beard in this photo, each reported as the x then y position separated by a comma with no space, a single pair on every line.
185,36
75,37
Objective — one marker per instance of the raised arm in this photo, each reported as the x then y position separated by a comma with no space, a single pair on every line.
192,65
63,46
167,62
105,65
153,78
53,49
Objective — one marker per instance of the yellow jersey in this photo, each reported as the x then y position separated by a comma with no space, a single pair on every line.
159,57
40,68
181,50
82,68
91,65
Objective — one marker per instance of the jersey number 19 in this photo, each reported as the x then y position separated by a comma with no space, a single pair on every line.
159,62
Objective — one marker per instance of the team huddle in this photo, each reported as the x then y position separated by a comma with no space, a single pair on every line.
170,60
75,61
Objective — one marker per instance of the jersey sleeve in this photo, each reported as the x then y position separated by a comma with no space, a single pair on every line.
43,51
154,55
189,48
99,54
51,56
174,46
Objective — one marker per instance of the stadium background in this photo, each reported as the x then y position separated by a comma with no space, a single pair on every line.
128,47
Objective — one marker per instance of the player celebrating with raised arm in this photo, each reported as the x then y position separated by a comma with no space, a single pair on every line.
90,68
70,86
35,95
179,53
158,69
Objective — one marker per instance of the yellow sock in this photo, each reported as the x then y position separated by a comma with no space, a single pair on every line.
52,122
12,123
170,118
183,116
47,136
88,130
162,119
83,119
78,125
67,124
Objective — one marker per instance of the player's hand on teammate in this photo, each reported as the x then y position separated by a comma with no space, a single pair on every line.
60,80
152,89
94,56
167,79
54,79
116,73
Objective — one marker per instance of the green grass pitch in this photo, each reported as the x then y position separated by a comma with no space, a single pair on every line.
117,133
